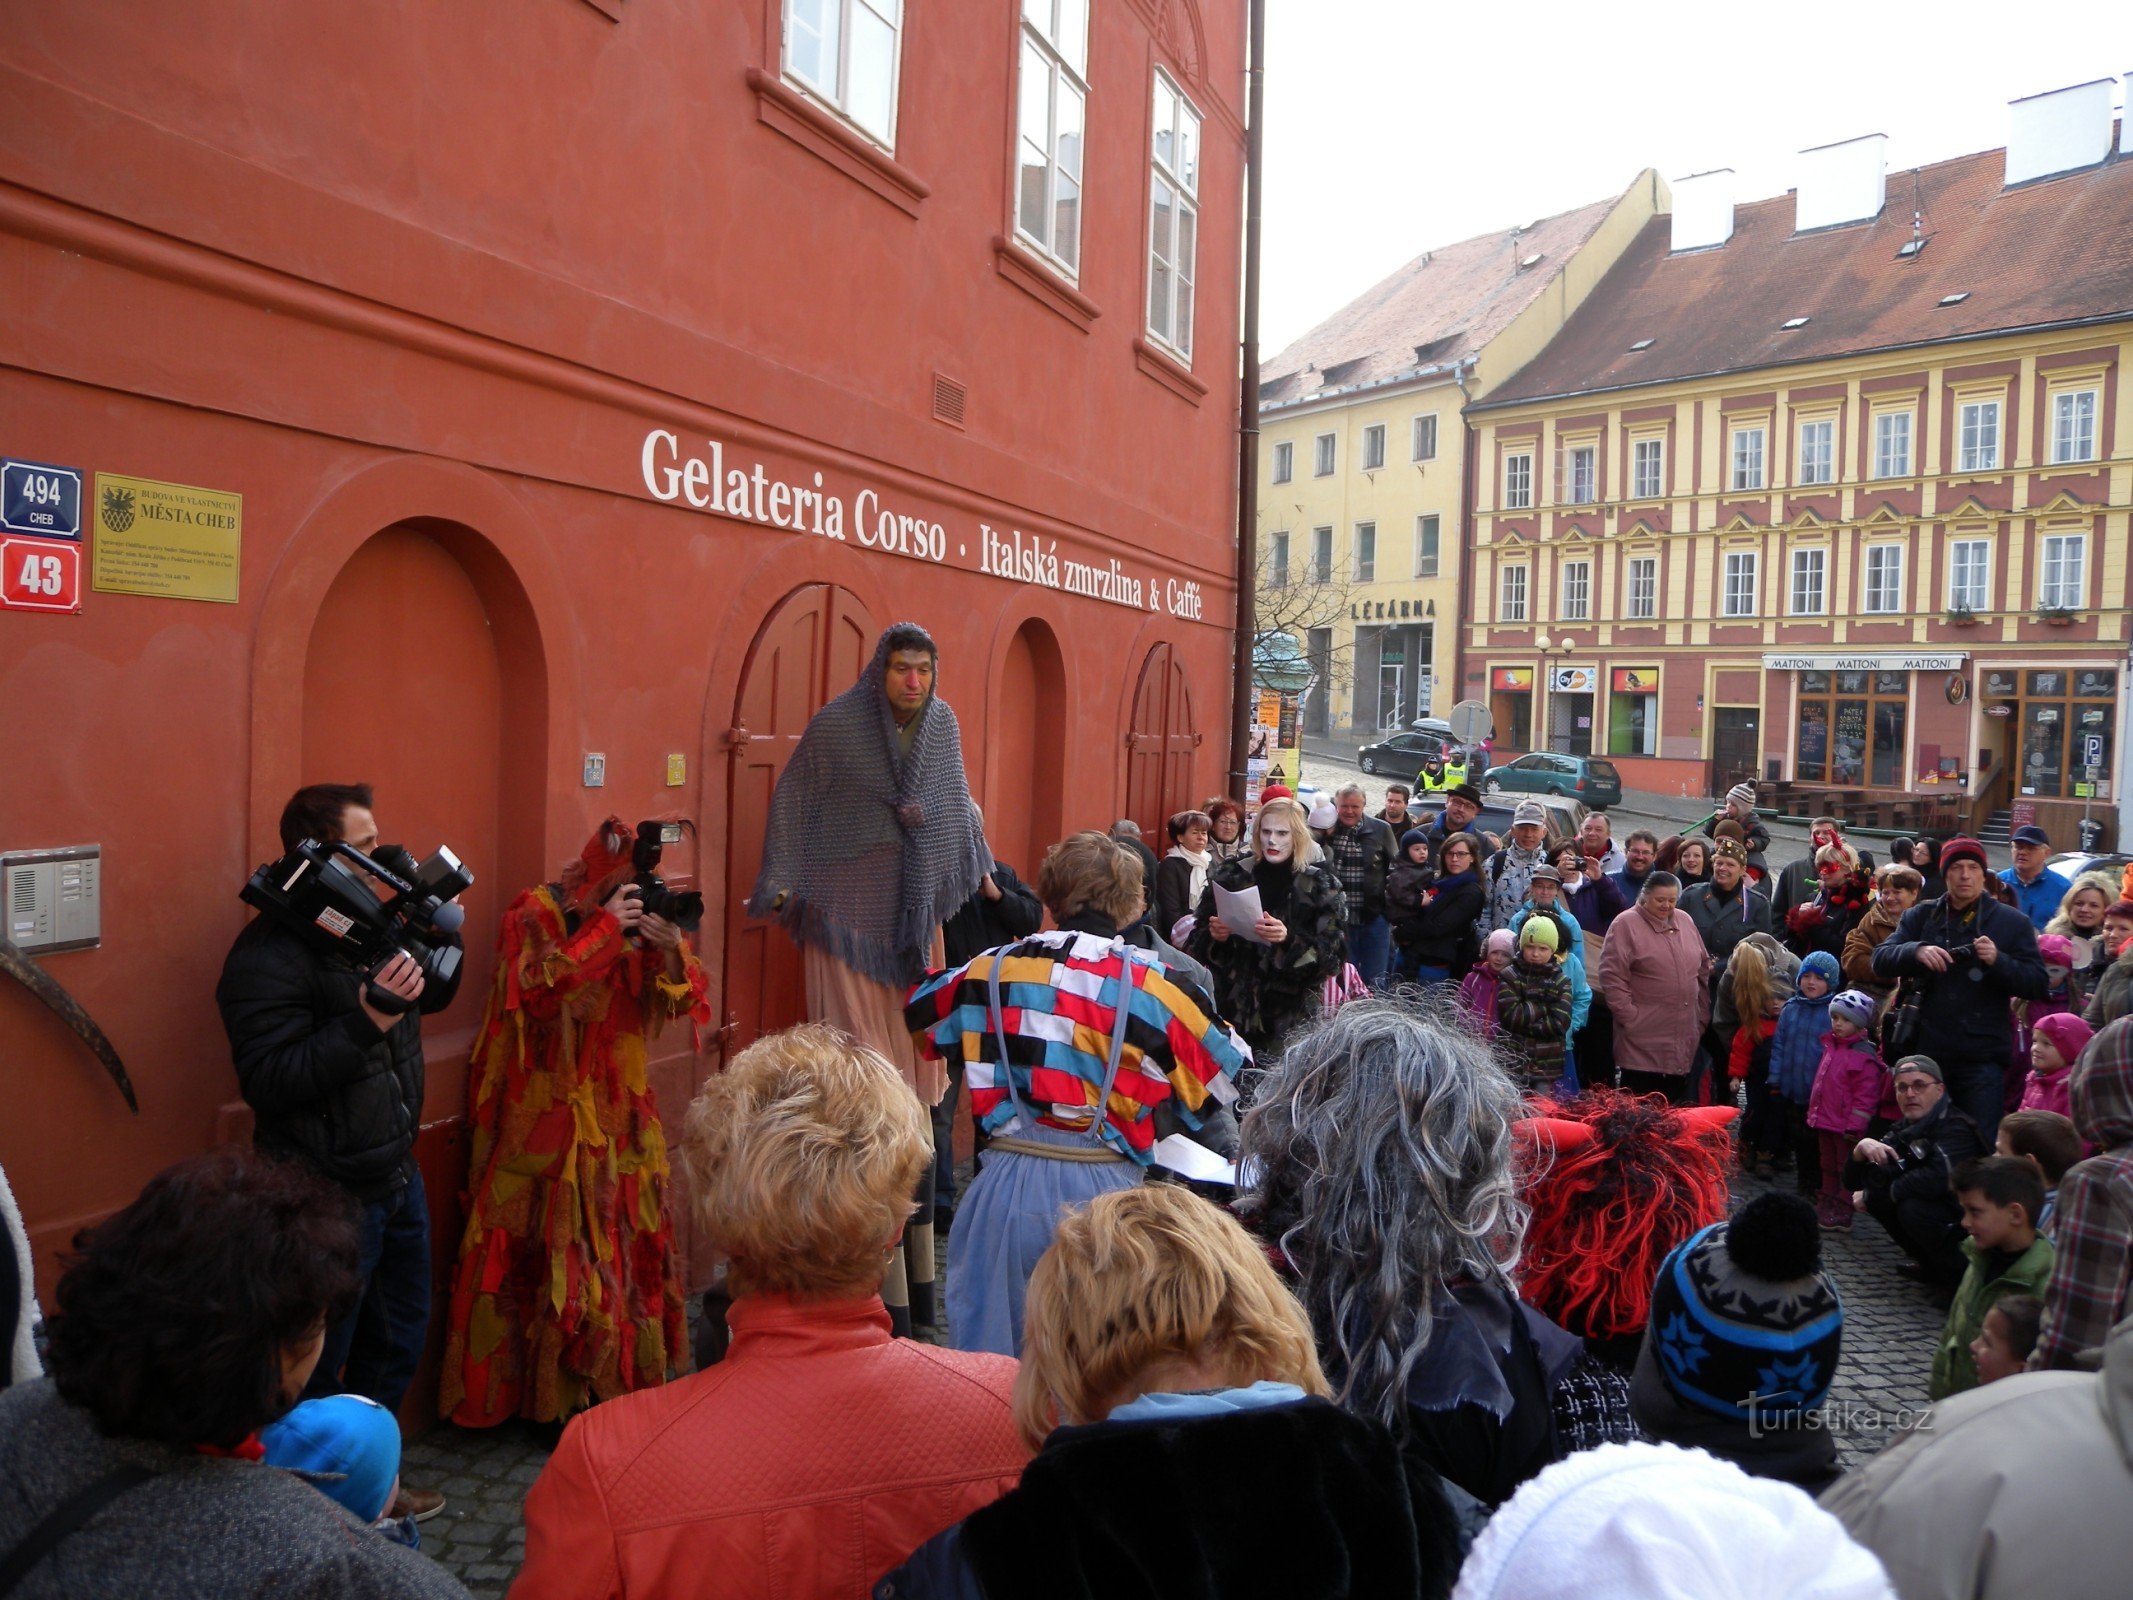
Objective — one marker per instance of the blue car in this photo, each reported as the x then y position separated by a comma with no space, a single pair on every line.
1587,778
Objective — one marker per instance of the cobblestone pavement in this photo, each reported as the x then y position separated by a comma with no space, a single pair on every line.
1890,1326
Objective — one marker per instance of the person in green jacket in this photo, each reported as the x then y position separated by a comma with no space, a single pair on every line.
2001,1197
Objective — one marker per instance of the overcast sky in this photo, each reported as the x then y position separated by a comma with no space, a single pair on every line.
1396,126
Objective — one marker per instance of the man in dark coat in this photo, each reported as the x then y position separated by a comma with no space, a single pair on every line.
330,1061
1971,955
1904,1173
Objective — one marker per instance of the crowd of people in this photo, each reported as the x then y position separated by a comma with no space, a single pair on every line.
1455,1260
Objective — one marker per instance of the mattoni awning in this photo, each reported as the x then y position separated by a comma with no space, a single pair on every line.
1873,663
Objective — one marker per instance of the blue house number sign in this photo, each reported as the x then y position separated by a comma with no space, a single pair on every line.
40,499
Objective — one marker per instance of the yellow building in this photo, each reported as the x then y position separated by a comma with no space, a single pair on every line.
1362,453
1831,492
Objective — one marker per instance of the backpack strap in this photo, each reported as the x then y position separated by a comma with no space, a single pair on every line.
65,1517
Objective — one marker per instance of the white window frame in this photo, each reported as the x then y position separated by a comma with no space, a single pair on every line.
1970,589
1577,591
1892,428
1278,559
1733,593
1374,447
2062,577
1366,568
1647,454
1809,562
1429,527
1818,454
837,96
1284,461
1322,554
1644,577
1518,480
1178,175
1054,76
1423,436
1977,436
1750,448
1585,458
1881,580
1325,455
1510,596
2073,426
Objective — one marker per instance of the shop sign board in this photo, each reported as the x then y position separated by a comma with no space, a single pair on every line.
1575,680
1869,663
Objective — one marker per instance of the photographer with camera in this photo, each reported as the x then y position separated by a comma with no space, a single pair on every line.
1962,957
568,1290
328,1050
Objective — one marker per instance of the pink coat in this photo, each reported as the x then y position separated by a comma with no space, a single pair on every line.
1477,997
1847,1089
2052,1093
1653,978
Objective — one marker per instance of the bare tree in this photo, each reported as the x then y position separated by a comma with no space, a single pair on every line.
1301,596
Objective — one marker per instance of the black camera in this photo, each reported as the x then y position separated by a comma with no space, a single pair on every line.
314,890
684,908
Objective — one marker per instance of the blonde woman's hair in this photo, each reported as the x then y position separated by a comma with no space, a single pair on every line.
1146,1278
2106,884
1752,989
1303,847
804,1155
1091,871
1843,855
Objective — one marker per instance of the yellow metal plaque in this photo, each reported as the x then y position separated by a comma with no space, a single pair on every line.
166,539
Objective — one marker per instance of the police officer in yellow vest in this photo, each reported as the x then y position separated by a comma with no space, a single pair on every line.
1431,779
1455,766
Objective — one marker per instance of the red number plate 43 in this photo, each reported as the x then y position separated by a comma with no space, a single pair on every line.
40,575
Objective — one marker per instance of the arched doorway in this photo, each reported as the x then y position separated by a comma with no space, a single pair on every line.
1023,815
1160,746
812,646
404,687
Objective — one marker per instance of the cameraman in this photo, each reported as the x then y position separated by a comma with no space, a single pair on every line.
1970,956
331,1066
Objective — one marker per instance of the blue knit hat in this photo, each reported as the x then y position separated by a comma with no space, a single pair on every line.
1824,966
1412,837
1744,1322
344,1446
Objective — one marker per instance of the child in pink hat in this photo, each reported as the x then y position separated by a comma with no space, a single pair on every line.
2058,1043
2067,997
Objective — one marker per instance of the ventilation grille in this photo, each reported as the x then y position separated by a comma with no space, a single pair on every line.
948,400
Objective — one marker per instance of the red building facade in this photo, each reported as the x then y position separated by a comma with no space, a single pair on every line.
580,387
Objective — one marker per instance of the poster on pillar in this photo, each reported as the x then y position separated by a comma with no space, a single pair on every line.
1275,754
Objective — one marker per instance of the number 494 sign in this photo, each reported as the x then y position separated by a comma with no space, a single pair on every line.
40,500
39,574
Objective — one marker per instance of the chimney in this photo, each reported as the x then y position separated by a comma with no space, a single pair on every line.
1841,183
1703,210
2125,121
2061,130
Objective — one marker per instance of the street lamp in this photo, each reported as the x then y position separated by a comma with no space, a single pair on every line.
1551,651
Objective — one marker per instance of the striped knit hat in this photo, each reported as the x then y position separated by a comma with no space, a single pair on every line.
1742,795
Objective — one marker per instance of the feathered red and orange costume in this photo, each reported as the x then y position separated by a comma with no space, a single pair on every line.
1615,1182
567,1289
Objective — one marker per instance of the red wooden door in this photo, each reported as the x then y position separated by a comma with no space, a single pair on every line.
810,648
1159,759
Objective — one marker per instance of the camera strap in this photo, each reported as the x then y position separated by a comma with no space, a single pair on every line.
65,1517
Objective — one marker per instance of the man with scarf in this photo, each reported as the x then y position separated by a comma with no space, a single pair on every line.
568,1289
865,900
1509,874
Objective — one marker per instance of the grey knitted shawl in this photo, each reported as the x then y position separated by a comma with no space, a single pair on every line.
870,850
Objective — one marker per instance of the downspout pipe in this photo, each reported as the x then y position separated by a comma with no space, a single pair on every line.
1244,697
1470,451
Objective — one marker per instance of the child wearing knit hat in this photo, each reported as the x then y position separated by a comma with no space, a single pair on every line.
2056,1045
1477,990
1533,1006
1846,1093
2068,997
1795,1056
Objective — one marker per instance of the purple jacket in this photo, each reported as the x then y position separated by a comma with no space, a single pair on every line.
1848,1084
1477,993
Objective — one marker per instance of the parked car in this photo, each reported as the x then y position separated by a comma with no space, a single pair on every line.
1402,754
1565,816
1592,779
2071,864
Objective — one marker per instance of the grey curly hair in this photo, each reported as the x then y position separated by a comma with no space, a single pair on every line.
1383,1142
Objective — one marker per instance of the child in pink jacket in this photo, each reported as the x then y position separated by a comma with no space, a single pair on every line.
1846,1093
2058,1044
1477,990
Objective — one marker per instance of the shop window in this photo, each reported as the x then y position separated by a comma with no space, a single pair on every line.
1854,729
2060,713
1511,705
1633,712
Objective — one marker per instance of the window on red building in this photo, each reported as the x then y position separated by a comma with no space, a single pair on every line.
1174,233
846,53
1054,96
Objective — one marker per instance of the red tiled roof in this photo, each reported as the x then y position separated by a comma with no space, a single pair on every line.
2053,251
1453,301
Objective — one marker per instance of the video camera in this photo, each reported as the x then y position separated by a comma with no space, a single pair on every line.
683,908
314,891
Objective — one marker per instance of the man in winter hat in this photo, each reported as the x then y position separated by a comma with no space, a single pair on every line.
1742,1345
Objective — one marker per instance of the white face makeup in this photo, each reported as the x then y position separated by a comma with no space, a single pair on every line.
1275,837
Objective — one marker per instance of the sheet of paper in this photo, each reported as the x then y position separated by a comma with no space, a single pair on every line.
1239,911
1195,1161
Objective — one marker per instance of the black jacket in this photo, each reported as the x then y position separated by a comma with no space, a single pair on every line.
1126,1510
1441,933
324,1084
1964,1018
1724,923
1927,1151
980,924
